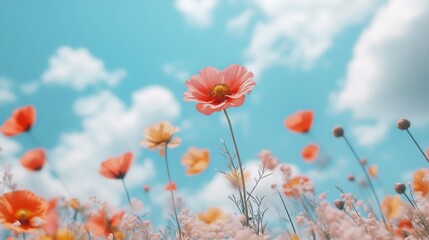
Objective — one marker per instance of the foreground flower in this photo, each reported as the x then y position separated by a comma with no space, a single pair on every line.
160,134
309,153
102,226
235,178
117,167
196,160
51,223
297,185
268,160
215,90
211,215
22,211
391,206
421,181
22,120
34,160
299,122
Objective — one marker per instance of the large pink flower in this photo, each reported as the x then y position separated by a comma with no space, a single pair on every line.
215,90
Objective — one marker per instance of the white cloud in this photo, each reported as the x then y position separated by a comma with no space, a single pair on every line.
176,71
9,149
240,23
6,91
197,12
29,88
387,77
79,69
368,135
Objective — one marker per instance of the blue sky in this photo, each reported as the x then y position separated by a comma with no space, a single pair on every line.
99,72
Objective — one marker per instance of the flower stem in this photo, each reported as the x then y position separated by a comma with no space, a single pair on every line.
287,212
171,192
368,179
126,191
245,210
414,140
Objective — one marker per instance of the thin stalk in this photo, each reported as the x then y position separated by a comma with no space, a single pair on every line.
368,179
126,191
245,209
414,140
171,192
287,212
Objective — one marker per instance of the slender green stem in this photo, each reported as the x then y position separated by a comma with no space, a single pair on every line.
126,191
245,210
287,212
414,140
368,179
171,192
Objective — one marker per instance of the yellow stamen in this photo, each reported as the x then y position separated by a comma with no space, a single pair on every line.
23,215
220,91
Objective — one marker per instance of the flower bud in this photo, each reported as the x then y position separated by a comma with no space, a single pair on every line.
339,204
400,188
403,124
338,131
351,178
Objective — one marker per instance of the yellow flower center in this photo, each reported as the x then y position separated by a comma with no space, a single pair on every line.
219,91
23,215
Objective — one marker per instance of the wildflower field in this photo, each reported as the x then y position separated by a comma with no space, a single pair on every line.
273,120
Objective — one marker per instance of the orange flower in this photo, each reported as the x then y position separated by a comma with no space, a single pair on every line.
211,215
196,160
215,90
421,181
391,206
309,153
234,178
117,167
295,186
52,219
373,170
34,160
404,225
22,120
171,187
22,211
157,135
102,226
299,122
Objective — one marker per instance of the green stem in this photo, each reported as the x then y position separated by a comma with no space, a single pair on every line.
287,212
245,210
414,140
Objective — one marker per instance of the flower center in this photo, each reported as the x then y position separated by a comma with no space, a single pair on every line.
23,215
219,91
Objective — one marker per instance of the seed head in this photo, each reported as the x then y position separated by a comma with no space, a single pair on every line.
400,188
403,124
351,178
338,131
339,204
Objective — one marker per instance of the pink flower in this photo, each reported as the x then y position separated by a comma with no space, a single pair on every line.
215,90
268,160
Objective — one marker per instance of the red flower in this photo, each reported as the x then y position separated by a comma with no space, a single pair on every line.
102,226
22,120
34,160
117,167
215,90
171,187
299,122
309,153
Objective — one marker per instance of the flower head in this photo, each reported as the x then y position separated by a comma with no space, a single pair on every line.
171,186
297,185
309,153
234,177
299,122
160,134
196,160
215,90
22,120
102,225
21,210
211,215
52,219
34,160
268,160
391,206
373,170
421,181
117,167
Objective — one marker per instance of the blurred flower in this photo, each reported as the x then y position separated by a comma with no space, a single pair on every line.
34,160
171,187
268,160
51,223
309,153
421,181
21,211
117,167
74,203
136,206
294,237
299,122
196,160
215,90
373,170
400,188
22,120
64,234
404,226
102,226
234,178
391,206
211,215
146,188
159,134
351,178
363,161
297,185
